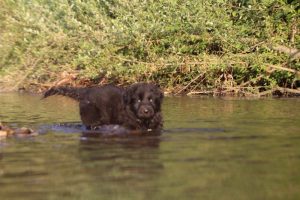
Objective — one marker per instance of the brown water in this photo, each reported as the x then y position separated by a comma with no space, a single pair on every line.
231,149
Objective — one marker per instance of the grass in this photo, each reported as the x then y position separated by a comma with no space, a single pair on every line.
188,47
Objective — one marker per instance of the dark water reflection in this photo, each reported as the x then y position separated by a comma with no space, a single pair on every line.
211,149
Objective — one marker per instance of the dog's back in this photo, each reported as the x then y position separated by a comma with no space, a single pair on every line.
101,105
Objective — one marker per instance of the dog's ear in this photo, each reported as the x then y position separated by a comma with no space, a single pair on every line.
161,93
127,94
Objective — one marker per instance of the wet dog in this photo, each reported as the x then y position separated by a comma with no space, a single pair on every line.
137,107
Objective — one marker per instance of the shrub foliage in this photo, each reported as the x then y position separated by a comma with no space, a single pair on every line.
224,46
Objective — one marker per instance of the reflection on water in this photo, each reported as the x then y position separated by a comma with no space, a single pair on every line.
211,149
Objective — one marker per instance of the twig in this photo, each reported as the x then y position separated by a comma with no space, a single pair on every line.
264,93
200,93
179,92
292,52
199,83
293,91
253,47
251,80
281,89
244,87
284,68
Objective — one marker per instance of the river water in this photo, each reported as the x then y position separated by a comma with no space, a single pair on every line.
212,148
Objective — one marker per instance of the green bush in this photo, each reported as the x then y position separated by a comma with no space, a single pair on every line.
170,42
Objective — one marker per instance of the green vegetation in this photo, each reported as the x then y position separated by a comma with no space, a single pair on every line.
199,46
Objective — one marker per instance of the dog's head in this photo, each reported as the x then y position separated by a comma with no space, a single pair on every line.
144,100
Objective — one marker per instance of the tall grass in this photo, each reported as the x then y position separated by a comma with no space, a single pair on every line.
185,46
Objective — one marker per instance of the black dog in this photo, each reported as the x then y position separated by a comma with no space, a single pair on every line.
137,107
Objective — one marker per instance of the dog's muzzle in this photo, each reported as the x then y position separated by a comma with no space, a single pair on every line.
145,112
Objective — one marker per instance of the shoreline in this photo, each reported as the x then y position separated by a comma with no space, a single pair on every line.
235,92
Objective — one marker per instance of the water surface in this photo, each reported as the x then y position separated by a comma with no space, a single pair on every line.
212,148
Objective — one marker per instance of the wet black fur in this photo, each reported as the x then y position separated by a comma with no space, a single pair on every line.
137,107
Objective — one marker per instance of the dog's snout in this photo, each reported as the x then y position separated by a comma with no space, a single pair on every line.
145,112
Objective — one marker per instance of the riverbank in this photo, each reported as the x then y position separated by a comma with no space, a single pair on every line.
236,48
215,82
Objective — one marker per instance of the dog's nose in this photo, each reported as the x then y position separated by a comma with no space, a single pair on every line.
146,111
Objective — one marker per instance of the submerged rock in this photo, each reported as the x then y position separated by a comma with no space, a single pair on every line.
6,131
24,132
3,134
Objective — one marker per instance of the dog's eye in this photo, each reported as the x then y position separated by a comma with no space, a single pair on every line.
151,100
139,101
